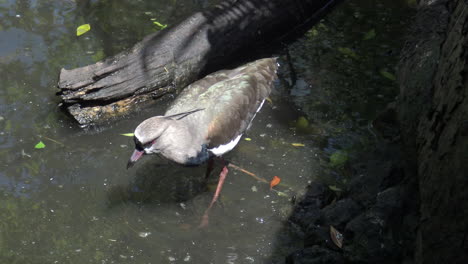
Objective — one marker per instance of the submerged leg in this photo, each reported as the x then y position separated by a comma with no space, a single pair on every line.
209,167
222,177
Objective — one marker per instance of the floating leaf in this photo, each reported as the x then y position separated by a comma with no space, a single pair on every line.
313,32
128,134
387,75
348,52
338,158
82,29
160,25
302,123
254,188
297,144
275,181
282,194
144,234
247,139
412,3
334,188
336,237
40,145
370,34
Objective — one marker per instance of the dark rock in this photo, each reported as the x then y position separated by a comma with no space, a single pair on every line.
394,177
390,201
315,255
386,123
308,210
340,212
366,240
375,177
318,235
305,216
318,194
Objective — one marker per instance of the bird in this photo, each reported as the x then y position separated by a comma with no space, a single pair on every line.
208,118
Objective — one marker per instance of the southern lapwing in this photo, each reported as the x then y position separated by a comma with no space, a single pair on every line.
208,118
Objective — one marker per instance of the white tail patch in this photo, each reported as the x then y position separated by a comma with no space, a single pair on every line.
221,149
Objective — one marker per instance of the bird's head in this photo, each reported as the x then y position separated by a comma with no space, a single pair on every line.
146,137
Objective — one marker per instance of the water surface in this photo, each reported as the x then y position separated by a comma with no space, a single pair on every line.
74,202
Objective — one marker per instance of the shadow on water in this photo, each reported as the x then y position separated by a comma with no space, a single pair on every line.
161,183
341,76
74,202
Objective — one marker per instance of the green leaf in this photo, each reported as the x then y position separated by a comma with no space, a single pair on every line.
128,134
348,52
370,34
338,158
82,29
160,25
282,194
387,75
302,123
334,188
297,145
40,145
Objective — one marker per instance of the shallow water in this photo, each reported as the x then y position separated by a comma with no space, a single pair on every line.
74,202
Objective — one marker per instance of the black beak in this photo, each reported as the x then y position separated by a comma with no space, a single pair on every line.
137,154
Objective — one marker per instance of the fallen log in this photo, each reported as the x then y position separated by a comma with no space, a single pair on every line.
169,60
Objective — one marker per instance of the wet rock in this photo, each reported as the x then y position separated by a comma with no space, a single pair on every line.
315,255
375,177
305,216
318,235
308,210
318,195
394,177
390,201
340,212
386,123
368,242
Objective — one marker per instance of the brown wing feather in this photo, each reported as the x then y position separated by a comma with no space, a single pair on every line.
230,99
237,105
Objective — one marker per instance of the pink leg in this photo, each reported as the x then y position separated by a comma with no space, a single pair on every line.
222,177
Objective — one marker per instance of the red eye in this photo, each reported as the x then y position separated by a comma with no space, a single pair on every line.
149,144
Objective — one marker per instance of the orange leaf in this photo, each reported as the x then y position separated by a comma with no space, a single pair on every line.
276,180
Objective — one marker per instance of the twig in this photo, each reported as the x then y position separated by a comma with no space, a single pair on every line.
53,140
247,172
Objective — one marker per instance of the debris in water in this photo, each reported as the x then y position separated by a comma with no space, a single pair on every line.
82,29
336,237
40,145
297,144
275,181
144,234
334,188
